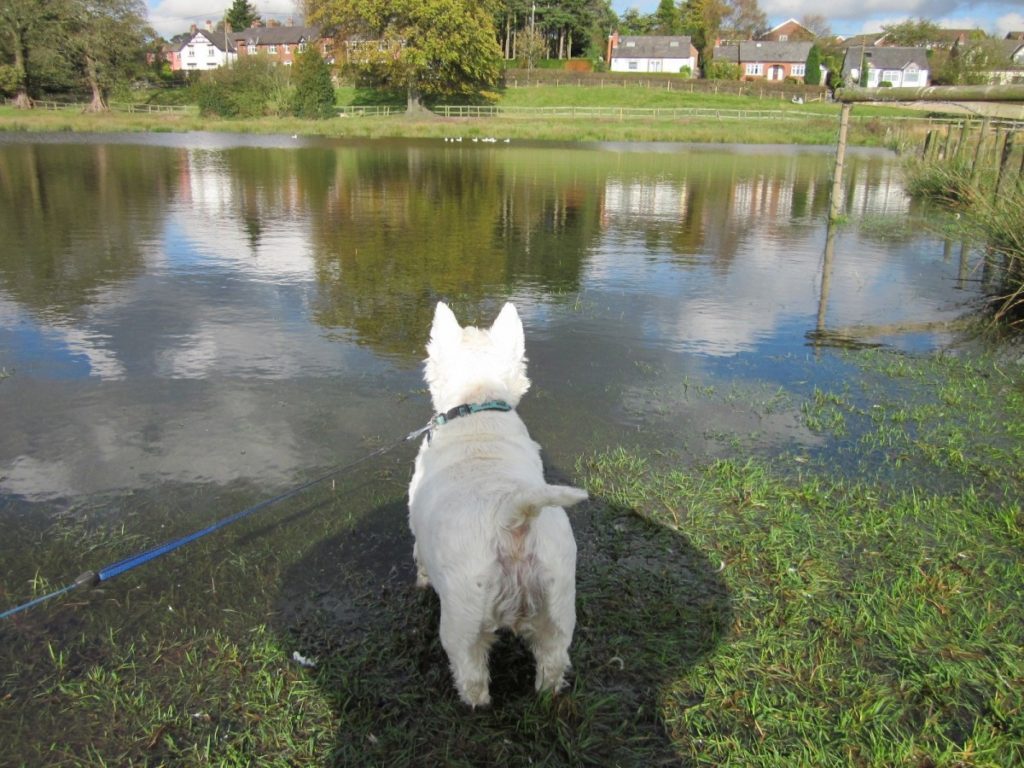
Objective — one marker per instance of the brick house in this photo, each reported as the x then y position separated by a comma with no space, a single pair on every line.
280,43
767,60
788,31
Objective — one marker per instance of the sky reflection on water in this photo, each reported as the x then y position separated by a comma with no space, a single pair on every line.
206,309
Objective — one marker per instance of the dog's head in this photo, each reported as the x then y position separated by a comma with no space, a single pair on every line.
471,365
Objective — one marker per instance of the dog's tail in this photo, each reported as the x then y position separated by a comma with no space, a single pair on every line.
527,503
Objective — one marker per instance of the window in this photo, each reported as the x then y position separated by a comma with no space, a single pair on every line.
191,50
673,43
631,43
284,48
250,48
211,51
755,69
271,49
798,70
783,38
911,76
891,76
302,47
632,65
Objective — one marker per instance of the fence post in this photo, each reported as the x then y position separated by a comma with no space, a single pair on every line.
1005,160
978,149
835,203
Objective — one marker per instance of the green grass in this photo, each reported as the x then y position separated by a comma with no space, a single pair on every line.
816,124
792,609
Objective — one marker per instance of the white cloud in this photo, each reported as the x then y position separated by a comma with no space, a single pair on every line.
169,17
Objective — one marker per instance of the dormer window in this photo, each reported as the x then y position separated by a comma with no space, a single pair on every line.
631,44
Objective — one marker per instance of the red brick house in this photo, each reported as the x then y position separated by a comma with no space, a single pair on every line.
280,43
788,31
767,60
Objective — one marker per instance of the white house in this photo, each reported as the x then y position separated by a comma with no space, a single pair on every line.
899,67
206,49
651,53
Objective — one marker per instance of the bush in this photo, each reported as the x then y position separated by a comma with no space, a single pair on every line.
722,70
313,97
244,89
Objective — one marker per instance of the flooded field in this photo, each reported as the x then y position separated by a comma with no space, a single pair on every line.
192,324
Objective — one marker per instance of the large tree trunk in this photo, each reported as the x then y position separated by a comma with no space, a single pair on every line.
413,100
98,103
21,97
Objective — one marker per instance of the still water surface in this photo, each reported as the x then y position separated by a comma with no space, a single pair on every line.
206,310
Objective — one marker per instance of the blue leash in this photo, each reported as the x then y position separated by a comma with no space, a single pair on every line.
94,578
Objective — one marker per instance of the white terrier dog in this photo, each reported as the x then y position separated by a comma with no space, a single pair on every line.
491,535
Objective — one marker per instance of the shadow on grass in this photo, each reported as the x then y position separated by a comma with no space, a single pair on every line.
649,607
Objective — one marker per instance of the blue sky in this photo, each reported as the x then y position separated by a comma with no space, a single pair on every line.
847,17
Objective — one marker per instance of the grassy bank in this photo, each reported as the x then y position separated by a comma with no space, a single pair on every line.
859,604
792,124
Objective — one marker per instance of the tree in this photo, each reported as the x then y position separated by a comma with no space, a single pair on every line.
314,91
666,19
971,63
241,15
429,48
812,70
702,20
912,33
26,26
106,40
633,22
818,24
743,19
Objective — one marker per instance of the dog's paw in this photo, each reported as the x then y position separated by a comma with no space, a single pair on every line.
476,695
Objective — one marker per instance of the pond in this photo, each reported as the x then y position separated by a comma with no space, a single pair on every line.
190,324
209,309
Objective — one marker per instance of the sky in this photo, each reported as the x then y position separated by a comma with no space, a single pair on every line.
847,17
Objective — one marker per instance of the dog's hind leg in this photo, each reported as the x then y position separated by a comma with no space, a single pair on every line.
422,579
468,647
549,638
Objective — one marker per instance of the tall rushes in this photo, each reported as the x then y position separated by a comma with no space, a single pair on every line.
1001,219
994,217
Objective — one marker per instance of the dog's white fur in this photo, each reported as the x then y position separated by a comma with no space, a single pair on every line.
491,535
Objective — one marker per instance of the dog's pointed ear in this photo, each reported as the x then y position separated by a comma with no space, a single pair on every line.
507,330
446,329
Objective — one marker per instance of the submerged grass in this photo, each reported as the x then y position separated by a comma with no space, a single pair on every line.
776,610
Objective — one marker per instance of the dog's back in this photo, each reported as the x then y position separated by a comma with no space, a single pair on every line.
492,536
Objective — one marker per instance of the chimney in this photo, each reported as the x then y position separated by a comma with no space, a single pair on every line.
209,26
193,29
290,22
613,43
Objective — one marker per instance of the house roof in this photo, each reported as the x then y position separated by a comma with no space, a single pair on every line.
283,35
885,58
868,39
766,50
652,47
216,39
787,23
730,53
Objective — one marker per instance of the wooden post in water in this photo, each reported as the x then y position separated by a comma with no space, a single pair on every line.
835,201
1005,160
949,140
978,149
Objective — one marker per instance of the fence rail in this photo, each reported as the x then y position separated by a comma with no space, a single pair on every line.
369,111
